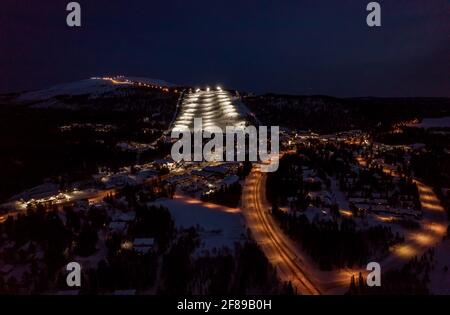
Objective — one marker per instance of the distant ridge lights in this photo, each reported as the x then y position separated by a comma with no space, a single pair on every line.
218,88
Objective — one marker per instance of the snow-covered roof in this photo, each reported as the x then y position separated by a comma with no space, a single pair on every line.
231,179
221,169
143,242
38,192
118,226
124,216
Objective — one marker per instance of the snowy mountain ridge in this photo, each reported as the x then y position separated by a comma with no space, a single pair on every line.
95,86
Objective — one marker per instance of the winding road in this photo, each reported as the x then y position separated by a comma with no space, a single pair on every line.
294,266
280,251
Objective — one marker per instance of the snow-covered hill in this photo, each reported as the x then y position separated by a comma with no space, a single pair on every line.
94,87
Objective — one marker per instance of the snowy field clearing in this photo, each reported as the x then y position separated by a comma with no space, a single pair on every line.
218,226
443,122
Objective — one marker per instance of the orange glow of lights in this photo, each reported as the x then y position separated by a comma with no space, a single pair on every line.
346,213
423,239
385,218
437,228
404,251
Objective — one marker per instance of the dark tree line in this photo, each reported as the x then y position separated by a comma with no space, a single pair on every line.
229,196
337,244
411,279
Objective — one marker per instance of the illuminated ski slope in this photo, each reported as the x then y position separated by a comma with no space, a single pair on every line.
215,107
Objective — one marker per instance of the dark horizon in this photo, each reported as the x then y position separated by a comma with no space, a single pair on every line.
297,47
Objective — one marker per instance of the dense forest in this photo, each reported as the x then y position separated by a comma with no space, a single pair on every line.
329,114
34,146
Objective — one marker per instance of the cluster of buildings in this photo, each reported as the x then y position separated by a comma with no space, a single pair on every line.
101,128
203,178
367,155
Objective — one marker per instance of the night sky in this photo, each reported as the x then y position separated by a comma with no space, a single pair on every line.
297,47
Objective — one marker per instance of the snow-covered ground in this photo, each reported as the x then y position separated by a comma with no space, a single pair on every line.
219,227
37,192
89,86
101,253
443,122
94,86
338,196
440,276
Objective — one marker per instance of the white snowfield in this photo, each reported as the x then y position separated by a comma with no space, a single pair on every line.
214,107
96,87
442,122
219,226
